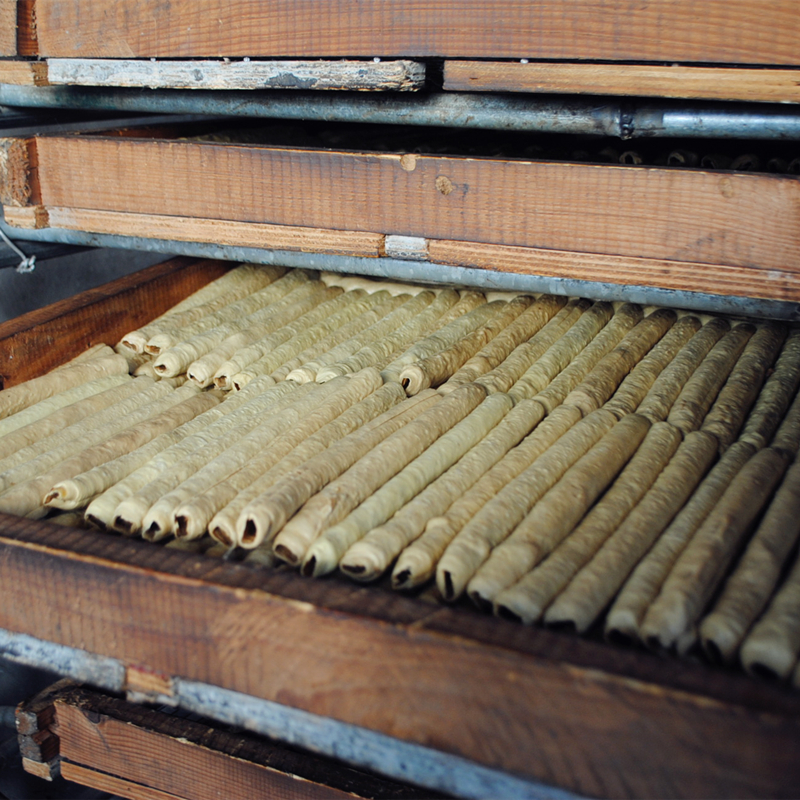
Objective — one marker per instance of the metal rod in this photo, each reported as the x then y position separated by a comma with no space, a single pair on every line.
601,116
431,272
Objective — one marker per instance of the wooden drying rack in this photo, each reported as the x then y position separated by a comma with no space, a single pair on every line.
577,714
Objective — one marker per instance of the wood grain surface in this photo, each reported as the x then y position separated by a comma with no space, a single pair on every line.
636,80
216,231
624,270
403,668
36,342
197,760
22,73
736,219
8,28
735,31
112,784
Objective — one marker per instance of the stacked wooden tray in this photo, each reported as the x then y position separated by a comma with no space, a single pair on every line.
529,703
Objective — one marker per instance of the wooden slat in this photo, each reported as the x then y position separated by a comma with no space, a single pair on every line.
112,784
216,231
367,76
18,183
22,73
626,271
8,28
533,715
636,80
171,763
734,31
736,219
104,314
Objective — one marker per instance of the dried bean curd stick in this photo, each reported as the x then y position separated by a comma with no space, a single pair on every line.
339,498
159,520
52,404
297,281
24,463
500,515
180,461
645,582
377,305
594,586
506,374
26,496
562,352
772,647
637,384
776,395
459,341
16,398
266,515
376,353
744,383
117,387
223,524
101,510
346,537
703,562
748,590
527,599
702,387
194,514
228,288
62,495
440,531
178,358
624,319
558,511
609,372
529,323
410,307
668,385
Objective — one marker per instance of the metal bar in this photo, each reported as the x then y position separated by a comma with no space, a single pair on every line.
358,746
430,272
600,116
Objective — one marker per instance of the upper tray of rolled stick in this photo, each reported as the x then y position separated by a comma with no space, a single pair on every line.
582,465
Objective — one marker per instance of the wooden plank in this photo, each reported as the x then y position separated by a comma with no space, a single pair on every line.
216,231
623,270
196,761
532,715
22,73
111,784
18,182
736,219
99,315
8,28
636,80
733,31
365,76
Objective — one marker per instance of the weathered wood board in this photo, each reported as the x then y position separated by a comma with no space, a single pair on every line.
97,736
632,80
718,31
697,216
8,27
365,76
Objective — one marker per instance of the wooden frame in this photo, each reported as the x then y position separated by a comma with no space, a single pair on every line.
713,228
105,742
632,80
717,31
578,714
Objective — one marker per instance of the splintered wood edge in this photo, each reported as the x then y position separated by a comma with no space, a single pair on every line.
263,618
23,73
709,83
16,180
403,76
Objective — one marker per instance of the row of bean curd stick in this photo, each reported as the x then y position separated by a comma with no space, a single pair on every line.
558,461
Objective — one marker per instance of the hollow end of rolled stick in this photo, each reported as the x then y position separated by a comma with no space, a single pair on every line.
153,532
308,568
250,532
96,522
161,369
449,591
222,382
285,554
354,569
400,578
181,527
129,343
221,535
619,637
123,525
52,496
153,350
